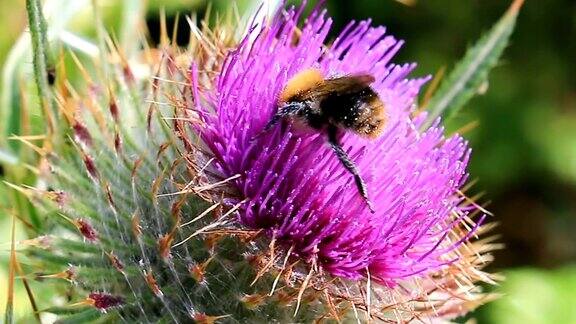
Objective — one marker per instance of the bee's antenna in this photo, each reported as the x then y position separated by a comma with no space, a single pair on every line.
348,164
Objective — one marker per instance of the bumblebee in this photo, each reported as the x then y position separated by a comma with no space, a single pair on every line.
333,106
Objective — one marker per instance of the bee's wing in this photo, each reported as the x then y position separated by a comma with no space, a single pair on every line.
342,85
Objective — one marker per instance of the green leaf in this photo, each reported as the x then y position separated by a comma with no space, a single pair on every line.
472,71
535,296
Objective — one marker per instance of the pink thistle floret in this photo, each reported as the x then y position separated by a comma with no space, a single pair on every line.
292,184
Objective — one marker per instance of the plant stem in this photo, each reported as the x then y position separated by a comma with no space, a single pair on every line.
40,56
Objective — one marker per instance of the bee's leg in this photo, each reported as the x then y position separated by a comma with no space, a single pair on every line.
285,111
348,164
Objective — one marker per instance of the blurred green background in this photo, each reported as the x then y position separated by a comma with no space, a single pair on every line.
524,146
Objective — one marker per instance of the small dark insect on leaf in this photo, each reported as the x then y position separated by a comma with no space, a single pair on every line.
51,75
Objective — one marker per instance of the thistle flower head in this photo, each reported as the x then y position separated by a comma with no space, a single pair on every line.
294,187
290,184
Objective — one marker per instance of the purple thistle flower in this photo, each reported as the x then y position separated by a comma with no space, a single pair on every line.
293,186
